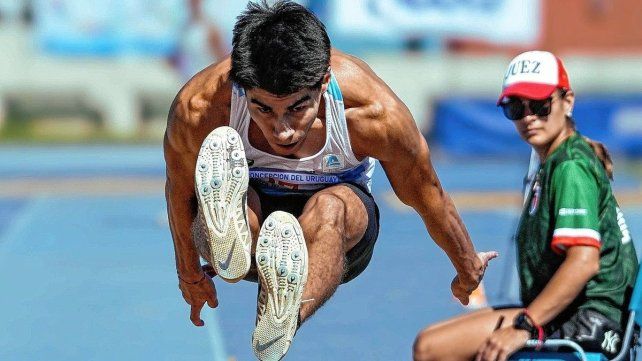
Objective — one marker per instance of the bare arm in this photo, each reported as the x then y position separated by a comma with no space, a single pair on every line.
180,158
387,131
381,126
202,105
414,180
580,265
181,202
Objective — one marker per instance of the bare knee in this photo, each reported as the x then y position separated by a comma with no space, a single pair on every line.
336,210
424,349
327,204
325,210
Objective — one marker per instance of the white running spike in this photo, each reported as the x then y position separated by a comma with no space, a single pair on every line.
282,259
222,179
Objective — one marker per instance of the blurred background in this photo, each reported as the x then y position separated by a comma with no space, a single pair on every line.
86,261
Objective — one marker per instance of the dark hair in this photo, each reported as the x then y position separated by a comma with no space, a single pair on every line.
599,148
280,48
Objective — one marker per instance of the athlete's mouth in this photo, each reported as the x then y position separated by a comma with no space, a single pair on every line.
288,146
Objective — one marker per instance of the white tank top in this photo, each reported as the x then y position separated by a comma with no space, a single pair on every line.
334,163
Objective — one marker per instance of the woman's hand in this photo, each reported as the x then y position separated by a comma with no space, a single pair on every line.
501,344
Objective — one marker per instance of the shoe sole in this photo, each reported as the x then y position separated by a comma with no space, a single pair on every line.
221,186
282,265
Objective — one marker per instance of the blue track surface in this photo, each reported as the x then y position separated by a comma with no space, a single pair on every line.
93,278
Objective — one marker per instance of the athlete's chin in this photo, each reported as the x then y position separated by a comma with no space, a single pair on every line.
285,150
283,154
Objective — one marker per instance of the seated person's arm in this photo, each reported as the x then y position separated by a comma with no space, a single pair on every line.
574,187
580,265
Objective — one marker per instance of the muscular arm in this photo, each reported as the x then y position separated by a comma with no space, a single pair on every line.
201,106
580,265
381,126
409,168
179,192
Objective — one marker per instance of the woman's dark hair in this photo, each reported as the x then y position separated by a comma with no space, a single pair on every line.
599,148
280,48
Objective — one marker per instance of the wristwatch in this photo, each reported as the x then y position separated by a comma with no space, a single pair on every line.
523,321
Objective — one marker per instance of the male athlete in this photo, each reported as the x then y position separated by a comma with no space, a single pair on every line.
270,154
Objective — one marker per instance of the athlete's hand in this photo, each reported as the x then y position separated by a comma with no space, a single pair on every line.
463,285
196,294
501,344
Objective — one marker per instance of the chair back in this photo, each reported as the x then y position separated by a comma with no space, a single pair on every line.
636,298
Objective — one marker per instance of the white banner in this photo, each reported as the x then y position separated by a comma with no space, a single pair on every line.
498,21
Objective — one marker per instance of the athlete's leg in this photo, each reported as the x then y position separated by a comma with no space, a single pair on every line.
459,338
333,221
255,216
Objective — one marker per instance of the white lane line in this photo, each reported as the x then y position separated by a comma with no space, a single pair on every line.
26,218
216,337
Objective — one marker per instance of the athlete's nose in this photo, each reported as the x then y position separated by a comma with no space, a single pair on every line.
282,132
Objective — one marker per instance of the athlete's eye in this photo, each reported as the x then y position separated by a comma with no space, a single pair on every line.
297,109
264,110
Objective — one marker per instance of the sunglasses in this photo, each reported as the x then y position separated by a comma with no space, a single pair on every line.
515,108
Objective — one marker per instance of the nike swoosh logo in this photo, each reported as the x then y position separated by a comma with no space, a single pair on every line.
225,265
261,348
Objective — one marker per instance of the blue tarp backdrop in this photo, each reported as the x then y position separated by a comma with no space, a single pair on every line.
475,126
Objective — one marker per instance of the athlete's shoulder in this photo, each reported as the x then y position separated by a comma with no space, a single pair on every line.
360,85
377,119
202,104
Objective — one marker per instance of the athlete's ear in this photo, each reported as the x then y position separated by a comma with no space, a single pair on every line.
325,81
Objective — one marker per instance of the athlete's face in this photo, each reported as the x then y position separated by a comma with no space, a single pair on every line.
285,120
545,132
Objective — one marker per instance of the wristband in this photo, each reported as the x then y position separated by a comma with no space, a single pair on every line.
524,321
191,283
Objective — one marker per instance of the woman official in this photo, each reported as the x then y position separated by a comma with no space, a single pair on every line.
576,261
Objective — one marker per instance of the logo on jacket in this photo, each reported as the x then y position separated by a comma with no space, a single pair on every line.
332,161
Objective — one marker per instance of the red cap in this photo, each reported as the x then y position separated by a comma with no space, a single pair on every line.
534,75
